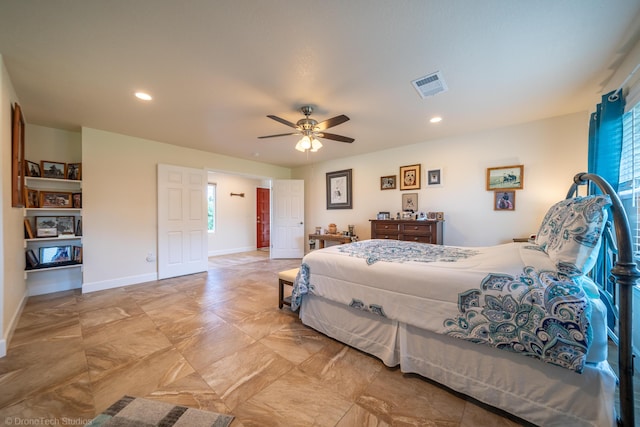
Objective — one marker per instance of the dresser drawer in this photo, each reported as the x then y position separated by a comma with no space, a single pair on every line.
423,238
391,236
386,227
417,228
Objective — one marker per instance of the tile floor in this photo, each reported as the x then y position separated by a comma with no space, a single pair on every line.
214,341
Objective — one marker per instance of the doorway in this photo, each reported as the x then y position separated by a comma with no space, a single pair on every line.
263,218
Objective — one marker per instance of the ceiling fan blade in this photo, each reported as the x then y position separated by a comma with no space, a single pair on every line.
283,121
335,137
334,121
280,134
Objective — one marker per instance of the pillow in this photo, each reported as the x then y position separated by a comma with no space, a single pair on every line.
570,231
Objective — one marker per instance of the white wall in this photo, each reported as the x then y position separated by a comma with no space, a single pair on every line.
120,197
12,261
235,216
552,152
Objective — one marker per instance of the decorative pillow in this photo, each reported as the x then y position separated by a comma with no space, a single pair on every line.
571,230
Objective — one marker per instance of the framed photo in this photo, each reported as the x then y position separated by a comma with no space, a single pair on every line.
410,177
52,255
77,200
410,202
32,260
17,157
28,230
77,254
31,199
504,200
388,182
434,177
66,225
46,226
383,215
55,199
32,168
505,177
53,169
74,171
339,194
79,228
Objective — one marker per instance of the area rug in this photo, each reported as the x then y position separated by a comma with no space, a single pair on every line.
137,412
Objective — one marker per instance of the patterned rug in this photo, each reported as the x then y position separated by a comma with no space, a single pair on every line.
136,412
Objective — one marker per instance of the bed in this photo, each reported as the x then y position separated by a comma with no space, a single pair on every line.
522,327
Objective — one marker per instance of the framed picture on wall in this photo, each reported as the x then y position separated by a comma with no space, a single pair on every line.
339,194
410,202
388,182
434,177
505,178
504,200
410,177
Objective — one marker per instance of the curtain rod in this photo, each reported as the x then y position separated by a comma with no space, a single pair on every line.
614,95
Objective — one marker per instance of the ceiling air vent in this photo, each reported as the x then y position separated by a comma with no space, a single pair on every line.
430,85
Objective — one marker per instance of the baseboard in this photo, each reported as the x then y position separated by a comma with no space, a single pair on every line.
231,251
117,283
4,341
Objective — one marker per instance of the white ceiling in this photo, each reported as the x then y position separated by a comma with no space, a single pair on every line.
217,68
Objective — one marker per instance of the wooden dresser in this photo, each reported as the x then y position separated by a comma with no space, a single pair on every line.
411,230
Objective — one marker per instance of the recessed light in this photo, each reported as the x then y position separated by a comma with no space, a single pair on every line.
144,96
436,119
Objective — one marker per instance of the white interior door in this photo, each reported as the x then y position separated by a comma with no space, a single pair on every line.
182,221
287,219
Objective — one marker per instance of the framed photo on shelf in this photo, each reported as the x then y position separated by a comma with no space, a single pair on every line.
17,157
77,254
504,200
388,182
32,169
32,260
77,200
56,170
66,225
410,202
28,230
55,199
74,171
339,195
410,177
46,226
51,255
31,199
505,178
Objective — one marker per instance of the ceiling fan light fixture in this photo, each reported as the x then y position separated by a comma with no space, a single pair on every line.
315,145
299,147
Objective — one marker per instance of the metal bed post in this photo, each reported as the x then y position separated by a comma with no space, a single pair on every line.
626,273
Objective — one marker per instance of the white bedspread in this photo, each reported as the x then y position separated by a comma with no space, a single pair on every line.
457,292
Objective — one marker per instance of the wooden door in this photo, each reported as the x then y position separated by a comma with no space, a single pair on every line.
263,217
182,221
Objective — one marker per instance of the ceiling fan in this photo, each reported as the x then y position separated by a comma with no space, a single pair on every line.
310,130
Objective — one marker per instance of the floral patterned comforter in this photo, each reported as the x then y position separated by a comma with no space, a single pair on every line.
509,296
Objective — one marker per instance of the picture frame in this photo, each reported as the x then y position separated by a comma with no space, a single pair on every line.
410,177
32,169
31,259
28,230
17,157
339,191
388,182
74,171
77,254
79,227
505,178
52,255
46,226
76,200
56,170
434,177
504,200
55,199
410,202
383,215
66,225
31,198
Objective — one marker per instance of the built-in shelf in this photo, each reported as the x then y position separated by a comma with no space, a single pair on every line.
50,268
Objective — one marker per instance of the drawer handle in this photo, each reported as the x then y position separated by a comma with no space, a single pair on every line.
415,228
415,238
386,227
386,237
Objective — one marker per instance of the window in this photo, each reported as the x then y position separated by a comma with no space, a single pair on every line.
629,184
211,208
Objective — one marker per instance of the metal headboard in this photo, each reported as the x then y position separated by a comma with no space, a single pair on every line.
616,276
